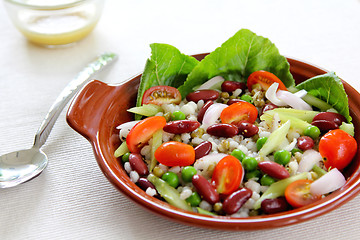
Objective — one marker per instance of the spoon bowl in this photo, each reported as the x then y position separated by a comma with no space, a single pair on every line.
21,166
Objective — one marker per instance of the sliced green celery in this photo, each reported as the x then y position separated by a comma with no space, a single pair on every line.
317,102
121,150
295,122
170,194
277,189
305,115
205,212
312,100
348,127
147,110
318,170
156,142
275,139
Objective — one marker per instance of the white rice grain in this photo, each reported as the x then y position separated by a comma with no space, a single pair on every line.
200,104
205,205
127,167
134,176
185,193
253,185
185,137
150,191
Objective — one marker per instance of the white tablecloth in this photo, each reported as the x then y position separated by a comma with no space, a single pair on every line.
72,199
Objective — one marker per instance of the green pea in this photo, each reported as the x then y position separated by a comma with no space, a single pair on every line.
178,115
295,150
266,180
171,178
282,157
260,142
125,157
253,174
312,131
187,173
249,163
194,199
238,154
247,98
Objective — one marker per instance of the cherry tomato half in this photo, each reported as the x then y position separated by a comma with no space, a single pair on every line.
227,175
239,112
141,133
159,95
175,154
265,79
338,148
298,194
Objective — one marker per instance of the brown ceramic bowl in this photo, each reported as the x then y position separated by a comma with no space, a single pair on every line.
99,108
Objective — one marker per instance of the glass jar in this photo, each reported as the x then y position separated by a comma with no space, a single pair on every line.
54,22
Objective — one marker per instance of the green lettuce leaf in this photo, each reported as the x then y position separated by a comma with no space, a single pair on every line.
237,58
166,66
329,88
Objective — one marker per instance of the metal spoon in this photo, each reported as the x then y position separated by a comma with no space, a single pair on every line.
21,166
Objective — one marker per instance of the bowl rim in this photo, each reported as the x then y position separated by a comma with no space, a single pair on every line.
159,207
46,6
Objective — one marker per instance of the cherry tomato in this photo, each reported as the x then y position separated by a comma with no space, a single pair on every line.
265,79
239,112
159,95
298,194
338,148
227,175
175,154
141,133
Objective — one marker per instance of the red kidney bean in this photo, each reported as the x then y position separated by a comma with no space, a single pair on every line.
267,107
230,86
273,169
205,94
330,116
305,143
325,125
137,164
236,200
145,184
222,130
247,129
202,111
234,100
181,126
202,149
271,206
204,188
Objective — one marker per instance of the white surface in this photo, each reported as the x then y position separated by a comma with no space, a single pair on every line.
72,199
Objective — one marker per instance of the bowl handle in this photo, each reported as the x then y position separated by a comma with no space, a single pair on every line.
90,109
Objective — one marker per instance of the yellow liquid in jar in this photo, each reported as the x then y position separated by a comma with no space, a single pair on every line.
57,29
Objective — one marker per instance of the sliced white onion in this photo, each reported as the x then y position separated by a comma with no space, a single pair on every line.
308,160
128,124
329,182
293,100
213,157
125,128
271,95
205,165
213,83
301,93
212,114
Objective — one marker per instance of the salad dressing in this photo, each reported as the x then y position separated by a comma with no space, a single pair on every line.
57,30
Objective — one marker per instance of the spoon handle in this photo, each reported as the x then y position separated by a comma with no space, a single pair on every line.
79,81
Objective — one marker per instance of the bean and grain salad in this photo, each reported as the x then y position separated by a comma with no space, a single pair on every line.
236,149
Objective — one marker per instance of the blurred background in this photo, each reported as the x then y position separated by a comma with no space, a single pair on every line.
72,199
